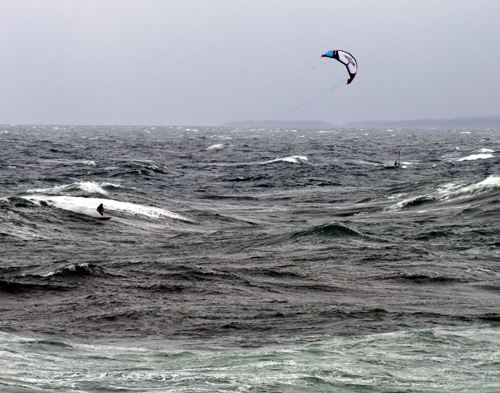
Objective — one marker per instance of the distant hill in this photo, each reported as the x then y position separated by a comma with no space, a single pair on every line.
492,122
463,122
279,123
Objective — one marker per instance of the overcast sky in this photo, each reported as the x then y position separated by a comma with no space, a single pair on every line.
207,62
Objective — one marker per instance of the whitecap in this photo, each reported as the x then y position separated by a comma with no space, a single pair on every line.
216,146
452,190
473,157
89,187
491,182
92,188
293,159
449,192
88,206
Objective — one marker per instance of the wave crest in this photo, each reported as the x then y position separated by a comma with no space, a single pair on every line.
329,230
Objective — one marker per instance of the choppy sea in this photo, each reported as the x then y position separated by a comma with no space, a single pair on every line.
249,260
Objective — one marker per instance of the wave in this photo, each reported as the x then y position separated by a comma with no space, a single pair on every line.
87,187
473,157
15,225
490,183
426,360
87,206
135,167
16,201
293,159
51,281
217,146
450,192
14,287
426,279
78,270
62,162
296,159
317,233
431,235
413,202
329,230
248,178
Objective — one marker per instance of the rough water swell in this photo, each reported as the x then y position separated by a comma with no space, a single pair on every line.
250,260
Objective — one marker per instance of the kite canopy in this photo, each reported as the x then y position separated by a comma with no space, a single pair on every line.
345,58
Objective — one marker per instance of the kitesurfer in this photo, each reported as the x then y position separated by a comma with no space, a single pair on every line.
100,209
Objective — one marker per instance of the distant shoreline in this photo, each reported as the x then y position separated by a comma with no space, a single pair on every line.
461,123
279,123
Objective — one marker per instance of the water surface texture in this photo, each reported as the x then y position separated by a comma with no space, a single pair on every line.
251,260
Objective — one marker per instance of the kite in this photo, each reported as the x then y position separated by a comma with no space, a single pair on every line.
345,58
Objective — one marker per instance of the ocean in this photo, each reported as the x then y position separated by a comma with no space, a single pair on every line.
249,259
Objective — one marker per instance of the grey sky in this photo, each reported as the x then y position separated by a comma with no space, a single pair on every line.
206,62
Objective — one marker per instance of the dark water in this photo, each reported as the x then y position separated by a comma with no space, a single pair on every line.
250,239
